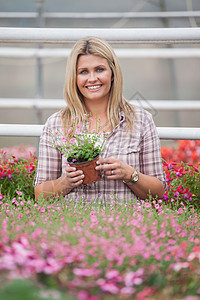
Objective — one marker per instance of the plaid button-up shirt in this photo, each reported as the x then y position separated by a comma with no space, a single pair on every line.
141,149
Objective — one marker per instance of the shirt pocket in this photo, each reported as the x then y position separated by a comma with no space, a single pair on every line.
126,151
129,154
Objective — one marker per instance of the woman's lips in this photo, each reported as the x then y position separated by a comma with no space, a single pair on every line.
93,87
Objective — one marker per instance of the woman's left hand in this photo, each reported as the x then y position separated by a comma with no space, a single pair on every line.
114,168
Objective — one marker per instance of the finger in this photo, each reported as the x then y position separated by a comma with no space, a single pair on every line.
75,181
106,167
77,177
107,160
74,174
70,169
110,172
112,177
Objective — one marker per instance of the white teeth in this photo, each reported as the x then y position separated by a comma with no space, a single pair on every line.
93,87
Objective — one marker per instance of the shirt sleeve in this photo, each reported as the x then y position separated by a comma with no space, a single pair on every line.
150,154
50,161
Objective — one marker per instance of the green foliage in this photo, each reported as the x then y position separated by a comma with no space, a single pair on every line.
183,185
133,239
17,175
21,289
81,145
84,148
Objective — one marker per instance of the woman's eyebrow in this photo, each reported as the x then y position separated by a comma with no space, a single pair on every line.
81,68
94,67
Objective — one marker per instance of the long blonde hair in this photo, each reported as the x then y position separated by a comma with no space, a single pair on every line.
75,103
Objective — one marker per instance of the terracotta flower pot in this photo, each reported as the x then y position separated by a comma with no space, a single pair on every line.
88,168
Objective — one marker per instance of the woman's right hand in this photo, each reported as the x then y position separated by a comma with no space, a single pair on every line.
73,176
62,185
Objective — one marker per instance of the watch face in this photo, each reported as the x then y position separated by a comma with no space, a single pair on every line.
135,177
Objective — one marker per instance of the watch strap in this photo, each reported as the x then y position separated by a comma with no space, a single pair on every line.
134,178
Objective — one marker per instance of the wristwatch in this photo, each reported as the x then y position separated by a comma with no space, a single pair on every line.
134,178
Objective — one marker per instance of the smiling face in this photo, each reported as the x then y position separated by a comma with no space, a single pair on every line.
94,77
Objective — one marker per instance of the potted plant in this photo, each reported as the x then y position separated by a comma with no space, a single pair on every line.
82,149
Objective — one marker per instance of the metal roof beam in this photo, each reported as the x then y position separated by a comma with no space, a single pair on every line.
178,105
113,35
101,15
32,130
164,53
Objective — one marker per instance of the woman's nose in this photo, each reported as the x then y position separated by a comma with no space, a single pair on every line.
92,76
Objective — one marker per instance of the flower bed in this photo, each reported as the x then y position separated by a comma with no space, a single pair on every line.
144,250
121,251
20,152
16,174
187,151
183,185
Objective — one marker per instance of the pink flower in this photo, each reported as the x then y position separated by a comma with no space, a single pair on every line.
19,193
36,233
52,266
112,274
143,294
110,287
180,211
15,201
77,131
36,265
182,265
83,295
72,141
86,272
93,218
133,278
127,290
110,220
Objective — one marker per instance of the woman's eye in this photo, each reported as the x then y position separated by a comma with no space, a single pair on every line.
83,72
100,70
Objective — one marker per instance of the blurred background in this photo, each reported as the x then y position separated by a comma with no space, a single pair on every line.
146,78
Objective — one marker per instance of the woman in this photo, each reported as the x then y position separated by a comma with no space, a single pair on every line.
131,163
